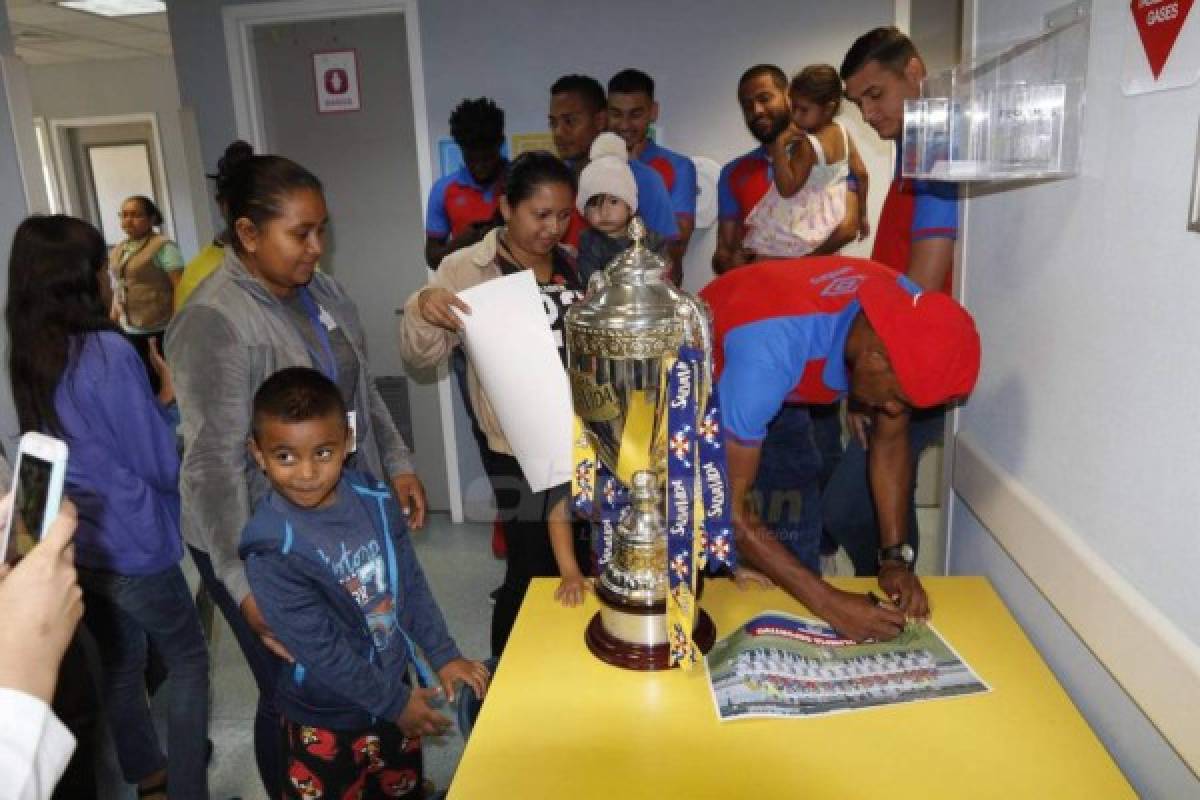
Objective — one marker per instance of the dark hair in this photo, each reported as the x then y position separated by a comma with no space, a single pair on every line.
533,169
819,83
296,394
256,189
631,81
587,87
771,71
148,208
887,46
54,275
477,123
237,152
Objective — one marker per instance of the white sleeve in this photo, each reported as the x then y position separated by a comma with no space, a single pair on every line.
34,747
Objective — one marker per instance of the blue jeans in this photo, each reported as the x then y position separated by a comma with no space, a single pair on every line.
265,667
848,504
788,485
122,612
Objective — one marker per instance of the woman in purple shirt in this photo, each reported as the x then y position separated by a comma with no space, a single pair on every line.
75,376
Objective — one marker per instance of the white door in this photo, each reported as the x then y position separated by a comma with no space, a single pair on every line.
367,160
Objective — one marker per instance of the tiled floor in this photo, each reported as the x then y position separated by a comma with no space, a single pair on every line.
458,562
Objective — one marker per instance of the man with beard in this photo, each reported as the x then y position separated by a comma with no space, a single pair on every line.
462,205
803,444
762,94
578,114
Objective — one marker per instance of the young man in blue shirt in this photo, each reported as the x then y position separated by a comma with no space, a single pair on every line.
632,109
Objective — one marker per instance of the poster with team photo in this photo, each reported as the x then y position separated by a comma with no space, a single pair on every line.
780,665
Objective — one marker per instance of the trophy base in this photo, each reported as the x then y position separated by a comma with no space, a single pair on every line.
643,657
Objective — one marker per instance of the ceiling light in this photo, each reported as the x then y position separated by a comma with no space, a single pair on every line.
115,8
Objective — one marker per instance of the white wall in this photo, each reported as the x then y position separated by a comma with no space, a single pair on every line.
107,88
1084,292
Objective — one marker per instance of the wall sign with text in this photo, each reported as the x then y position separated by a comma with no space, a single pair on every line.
1162,46
336,75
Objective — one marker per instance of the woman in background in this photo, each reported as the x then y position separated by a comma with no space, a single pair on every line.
145,270
76,377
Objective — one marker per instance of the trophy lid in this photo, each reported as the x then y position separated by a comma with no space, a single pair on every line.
633,295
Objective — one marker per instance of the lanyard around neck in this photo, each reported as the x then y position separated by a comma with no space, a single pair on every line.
328,364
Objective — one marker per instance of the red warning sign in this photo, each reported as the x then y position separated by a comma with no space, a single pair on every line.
1158,24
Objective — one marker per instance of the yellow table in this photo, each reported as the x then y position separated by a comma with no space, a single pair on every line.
558,723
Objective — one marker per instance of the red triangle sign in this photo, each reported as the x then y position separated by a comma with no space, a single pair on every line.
1158,24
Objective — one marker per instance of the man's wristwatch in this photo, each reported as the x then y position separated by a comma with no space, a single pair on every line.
902,553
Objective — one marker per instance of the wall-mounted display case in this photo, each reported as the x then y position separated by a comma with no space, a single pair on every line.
1014,115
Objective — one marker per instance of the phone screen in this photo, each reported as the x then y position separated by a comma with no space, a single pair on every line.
29,505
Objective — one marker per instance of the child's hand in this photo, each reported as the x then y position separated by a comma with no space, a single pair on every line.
571,589
419,718
472,673
747,578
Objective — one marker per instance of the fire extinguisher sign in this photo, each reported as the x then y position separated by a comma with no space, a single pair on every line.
336,77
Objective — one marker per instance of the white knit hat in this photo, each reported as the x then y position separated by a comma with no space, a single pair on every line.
607,172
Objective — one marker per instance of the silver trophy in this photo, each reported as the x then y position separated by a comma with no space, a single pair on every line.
618,339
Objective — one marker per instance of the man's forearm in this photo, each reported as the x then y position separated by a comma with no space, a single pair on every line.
890,470
930,261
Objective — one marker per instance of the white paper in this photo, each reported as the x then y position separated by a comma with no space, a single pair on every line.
511,347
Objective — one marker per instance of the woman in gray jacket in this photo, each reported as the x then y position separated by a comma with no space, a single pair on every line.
265,308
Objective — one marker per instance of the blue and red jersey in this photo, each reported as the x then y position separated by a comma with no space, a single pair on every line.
678,174
914,210
742,184
456,202
779,332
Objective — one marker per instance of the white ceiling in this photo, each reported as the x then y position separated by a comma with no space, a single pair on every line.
44,33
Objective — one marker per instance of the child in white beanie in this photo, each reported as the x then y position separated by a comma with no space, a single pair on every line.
608,199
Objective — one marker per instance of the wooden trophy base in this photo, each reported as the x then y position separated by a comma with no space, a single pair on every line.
643,657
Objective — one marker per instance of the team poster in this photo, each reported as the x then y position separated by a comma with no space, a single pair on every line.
780,665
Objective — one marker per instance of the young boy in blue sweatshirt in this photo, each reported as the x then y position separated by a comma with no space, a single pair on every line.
331,566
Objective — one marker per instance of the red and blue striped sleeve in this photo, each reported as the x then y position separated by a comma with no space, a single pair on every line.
437,221
935,210
728,209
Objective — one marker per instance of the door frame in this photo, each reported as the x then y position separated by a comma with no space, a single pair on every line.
59,146
239,22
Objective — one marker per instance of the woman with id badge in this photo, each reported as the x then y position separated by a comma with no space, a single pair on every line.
266,308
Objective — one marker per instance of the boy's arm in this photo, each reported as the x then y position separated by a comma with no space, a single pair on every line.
299,617
562,541
422,618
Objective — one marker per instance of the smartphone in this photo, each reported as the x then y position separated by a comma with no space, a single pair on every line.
38,476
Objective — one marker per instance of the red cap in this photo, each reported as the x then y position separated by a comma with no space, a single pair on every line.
931,340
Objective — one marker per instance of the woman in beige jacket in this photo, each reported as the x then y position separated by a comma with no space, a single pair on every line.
537,205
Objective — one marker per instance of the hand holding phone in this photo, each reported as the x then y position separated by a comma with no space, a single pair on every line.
38,476
40,606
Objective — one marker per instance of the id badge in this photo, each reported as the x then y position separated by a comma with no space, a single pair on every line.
352,423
